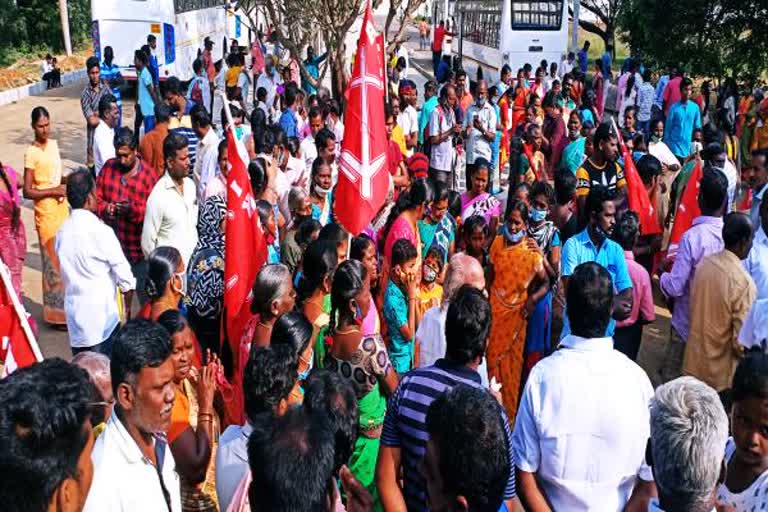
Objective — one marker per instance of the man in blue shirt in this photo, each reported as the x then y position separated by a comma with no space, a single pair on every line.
154,67
110,74
430,103
311,63
607,60
288,117
684,117
583,57
594,244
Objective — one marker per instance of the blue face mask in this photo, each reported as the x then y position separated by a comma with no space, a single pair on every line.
512,237
538,215
305,374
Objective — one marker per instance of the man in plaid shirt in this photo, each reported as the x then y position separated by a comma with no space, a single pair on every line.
122,188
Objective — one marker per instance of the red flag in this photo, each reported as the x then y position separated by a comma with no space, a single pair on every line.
637,195
18,347
245,249
687,210
364,178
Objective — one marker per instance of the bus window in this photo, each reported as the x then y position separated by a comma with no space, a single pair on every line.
528,15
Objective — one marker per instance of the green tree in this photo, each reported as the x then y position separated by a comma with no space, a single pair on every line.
711,38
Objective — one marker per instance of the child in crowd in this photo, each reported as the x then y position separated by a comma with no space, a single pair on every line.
401,305
267,219
629,332
340,238
630,125
475,235
432,270
746,453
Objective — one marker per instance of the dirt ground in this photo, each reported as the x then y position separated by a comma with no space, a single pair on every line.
27,71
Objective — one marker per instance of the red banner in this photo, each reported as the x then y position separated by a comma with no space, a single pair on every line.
18,347
687,210
364,176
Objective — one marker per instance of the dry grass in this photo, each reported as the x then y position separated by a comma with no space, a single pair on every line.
27,70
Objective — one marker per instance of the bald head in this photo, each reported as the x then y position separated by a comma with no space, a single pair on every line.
482,90
462,269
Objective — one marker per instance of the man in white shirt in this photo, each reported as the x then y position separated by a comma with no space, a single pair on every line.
133,465
104,135
756,263
267,382
93,267
307,147
207,161
171,216
442,128
408,119
480,128
269,80
582,427
689,431
715,156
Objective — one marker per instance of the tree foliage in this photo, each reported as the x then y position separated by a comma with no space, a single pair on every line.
35,24
604,16
711,38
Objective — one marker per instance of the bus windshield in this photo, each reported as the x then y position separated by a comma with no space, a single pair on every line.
537,15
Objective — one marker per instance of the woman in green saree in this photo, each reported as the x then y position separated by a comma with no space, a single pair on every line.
317,267
363,361
438,228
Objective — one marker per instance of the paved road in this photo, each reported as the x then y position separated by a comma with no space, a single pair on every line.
69,129
15,135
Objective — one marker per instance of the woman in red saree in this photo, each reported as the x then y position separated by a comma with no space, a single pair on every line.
520,104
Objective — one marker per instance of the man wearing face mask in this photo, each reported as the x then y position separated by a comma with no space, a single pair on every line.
92,267
122,189
594,244
480,128
134,468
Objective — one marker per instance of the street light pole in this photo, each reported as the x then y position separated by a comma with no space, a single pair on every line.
64,13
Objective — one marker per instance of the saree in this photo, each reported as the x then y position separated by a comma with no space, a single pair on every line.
362,463
13,250
483,204
514,267
573,155
519,106
50,213
320,331
439,235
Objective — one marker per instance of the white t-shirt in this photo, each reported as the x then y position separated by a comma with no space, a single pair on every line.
442,154
754,497
103,145
409,122
477,145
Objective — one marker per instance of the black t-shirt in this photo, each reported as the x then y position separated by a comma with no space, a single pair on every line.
569,229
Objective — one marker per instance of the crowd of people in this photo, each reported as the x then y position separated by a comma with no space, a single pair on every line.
474,348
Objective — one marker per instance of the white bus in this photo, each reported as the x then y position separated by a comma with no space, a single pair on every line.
515,32
180,27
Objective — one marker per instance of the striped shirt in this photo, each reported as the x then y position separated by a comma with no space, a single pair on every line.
405,423
108,74
183,127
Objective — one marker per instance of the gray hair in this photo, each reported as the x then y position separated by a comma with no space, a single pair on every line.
271,283
97,366
462,268
689,429
296,198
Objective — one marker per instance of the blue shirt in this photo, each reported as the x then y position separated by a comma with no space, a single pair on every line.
314,72
396,316
146,103
154,68
583,60
109,73
606,64
659,97
405,424
288,123
424,116
580,249
682,119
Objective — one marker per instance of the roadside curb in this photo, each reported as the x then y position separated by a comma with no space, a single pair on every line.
38,88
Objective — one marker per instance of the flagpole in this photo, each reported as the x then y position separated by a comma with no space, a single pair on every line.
20,311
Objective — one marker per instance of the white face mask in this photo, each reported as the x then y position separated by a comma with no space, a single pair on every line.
183,277
322,192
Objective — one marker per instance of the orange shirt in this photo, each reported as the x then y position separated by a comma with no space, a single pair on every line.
151,148
179,414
